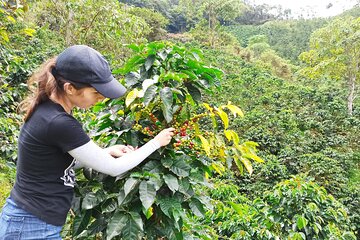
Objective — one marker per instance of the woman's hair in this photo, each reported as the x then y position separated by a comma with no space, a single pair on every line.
42,84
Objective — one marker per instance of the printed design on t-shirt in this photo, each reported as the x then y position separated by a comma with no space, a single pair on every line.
69,175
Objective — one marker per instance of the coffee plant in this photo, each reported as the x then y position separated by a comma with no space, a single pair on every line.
156,199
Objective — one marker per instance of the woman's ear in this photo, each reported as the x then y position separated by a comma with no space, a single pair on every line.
69,88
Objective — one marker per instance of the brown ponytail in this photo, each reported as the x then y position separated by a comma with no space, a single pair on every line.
42,84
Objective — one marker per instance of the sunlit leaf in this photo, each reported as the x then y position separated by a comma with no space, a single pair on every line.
148,82
247,165
11,19
224,117
4,35
235,110
207,106
205,144
132,95
29,31
253,157
218,167
239,164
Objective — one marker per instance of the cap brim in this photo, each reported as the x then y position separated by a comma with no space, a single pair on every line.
112,89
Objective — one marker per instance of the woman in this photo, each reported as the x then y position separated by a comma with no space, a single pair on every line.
51,142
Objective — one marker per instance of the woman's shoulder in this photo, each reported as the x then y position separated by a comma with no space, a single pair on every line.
48,113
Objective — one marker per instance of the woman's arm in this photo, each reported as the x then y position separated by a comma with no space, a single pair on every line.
93,156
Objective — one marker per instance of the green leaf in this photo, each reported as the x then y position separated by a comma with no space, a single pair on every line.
134,47
150,94
167,162
163,54
134,227
116,224
149,62
148,82
166,96
194,92
190,74
298,236
167,113
197,207
109,205
301,222
180,167
237,207
153,166
130,65
147,193
97,226
130,185
132,78
148,213
91,199
81,222
171,182
167,204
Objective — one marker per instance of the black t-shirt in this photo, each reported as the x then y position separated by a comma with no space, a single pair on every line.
45,177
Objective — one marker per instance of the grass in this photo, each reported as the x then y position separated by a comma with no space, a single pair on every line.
7,178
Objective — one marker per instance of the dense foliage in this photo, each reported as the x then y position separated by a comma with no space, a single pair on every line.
293,209
294,38
156,198
307,187
300,127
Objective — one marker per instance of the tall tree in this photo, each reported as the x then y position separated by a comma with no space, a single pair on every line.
335,54
108,25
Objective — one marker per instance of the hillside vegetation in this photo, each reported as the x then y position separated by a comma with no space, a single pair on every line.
265,106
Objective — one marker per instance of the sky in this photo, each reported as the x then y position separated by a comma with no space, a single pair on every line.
317,8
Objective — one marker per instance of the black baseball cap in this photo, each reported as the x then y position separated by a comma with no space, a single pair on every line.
83,64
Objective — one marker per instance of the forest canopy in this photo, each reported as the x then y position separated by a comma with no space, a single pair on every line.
264,105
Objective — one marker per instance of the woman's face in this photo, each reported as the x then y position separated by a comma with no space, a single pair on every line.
86,97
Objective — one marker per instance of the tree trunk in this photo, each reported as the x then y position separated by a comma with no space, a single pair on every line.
69,22
351,95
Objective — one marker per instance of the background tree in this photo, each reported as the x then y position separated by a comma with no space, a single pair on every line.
335,54
105,25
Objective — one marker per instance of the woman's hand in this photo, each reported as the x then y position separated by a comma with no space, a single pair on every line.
164,137
119,150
